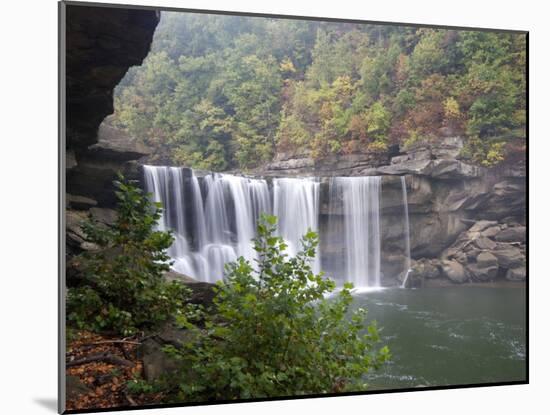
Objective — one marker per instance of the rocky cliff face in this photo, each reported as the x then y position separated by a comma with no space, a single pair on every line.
467,223
101,44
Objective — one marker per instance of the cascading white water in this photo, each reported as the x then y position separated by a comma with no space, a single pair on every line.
406,232
166,185
296,205
221,227
214,221
361,217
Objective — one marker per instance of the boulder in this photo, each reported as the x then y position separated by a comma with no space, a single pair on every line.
80,202
201,292
486,259
491,232
157,363
516,274
485,243
104,215
454,271
485,268
509,256
512,234
75,236
427,268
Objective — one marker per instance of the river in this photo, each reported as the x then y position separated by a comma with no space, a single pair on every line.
449,335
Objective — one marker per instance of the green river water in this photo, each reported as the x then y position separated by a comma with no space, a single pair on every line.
449,335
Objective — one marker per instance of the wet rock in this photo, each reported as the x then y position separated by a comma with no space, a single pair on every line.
516,274
454,271
427,268
485,268
509,256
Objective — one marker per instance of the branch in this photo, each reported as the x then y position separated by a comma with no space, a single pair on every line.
116,342
101,357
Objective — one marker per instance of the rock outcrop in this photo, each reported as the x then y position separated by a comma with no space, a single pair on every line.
102,43
467,223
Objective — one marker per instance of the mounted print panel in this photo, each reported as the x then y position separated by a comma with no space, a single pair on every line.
259,207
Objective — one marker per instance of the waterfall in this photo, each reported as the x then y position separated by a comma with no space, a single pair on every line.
360,198
406,233
214,218
166,185
223,220
296,205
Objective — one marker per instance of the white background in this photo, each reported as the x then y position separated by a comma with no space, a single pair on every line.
28,204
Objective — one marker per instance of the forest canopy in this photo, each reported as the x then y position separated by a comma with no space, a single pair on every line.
222,92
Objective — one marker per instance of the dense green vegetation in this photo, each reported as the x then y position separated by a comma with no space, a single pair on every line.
121,288
222,92
274,333
270,331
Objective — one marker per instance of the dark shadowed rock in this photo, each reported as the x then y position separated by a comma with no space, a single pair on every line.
157,363
102,43
513,234
80,202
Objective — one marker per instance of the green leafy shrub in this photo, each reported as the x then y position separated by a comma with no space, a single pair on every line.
275,332
122,288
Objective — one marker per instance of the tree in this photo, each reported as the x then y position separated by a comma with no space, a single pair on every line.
275,333
308,88
122,287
